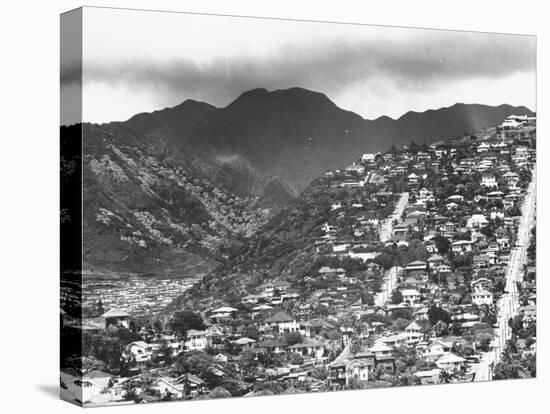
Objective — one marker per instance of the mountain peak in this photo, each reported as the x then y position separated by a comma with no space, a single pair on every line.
290,94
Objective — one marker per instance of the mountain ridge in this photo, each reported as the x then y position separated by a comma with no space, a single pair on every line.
277,130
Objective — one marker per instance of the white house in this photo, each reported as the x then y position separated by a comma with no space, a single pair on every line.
489,180
482,297
483,147
476,221
450,362
368,157
85,389
139,352
116,317
166,386
411,296
196,340
413,178
437,349
282,322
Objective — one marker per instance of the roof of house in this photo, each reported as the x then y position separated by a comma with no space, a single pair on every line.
141,344
280,316
380,348
407,292
440,342
414,325
417,263
306,344
450,358
194,332
224,309
190,378
428,373
115,313
244,341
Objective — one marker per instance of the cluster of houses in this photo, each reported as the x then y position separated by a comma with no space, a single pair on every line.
457,227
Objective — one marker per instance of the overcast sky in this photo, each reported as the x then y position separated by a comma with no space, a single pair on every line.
137,61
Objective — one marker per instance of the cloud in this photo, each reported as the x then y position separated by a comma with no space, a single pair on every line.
418,62
128,68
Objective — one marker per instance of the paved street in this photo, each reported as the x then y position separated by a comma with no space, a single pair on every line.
508,305
386,227
390,283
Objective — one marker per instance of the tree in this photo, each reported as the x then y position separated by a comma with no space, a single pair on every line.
185,320
446,376
252,332
400,324
402,314
417,250
296,359
99,307
384,260
219,392
367,298
84,365
247,363
194,362
292,338
356,384
442,244
130,394
516,324
436,314
157,325
396,297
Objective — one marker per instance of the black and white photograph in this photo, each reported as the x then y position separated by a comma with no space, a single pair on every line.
277,206
231,207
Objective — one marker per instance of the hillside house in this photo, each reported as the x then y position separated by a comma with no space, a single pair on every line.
437,349
411,296
482,297
196,340
116,317
481,284
139,353
461,246
450,362
416,266
167,386
489,181
282,322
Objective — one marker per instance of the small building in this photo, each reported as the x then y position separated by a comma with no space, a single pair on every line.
416,266
489,181
167,386
116,317
450,362
437,349
411,296
482,297
196,340
282,322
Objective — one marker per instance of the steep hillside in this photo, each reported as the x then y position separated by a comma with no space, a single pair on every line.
151,213
177,191
284,248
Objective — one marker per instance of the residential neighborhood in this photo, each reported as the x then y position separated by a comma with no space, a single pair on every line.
420,270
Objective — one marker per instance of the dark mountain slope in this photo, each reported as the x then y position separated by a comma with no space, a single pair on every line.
150,211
